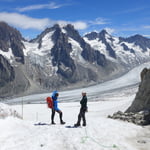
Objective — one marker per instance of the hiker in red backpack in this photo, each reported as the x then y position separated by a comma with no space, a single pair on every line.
55,108
49,102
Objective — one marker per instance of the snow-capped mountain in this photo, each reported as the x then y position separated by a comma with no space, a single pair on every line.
64,57
61,58
12,78
11,43
127,51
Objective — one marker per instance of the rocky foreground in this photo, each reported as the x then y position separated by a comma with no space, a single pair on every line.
139,118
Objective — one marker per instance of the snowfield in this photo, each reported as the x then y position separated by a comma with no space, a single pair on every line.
101,133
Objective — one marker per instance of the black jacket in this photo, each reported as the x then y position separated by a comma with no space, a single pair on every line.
83,102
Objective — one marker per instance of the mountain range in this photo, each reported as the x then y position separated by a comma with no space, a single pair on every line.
60,58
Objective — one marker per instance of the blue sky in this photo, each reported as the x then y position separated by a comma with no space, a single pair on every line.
119,17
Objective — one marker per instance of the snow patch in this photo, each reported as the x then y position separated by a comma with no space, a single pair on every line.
100,46
8,55
6,111
47,43
77,50
42,56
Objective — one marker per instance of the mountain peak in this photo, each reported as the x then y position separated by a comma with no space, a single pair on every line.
103,34
3,24
70,26
8,31
11,38
139,37
92,35
56,26
46,31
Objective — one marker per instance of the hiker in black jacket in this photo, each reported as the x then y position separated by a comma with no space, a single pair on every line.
83,109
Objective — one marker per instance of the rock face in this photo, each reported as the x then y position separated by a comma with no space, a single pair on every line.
10,38
7,73
12,78
139,111
139,40
142,99
88,53
101,36
61,55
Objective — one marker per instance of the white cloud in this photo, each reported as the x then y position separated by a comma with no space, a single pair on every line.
51,5
110,30
80,25
146,35
98,21
147,27
23,21
26,22
133,10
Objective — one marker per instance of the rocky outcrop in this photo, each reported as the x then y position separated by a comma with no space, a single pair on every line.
12,78
139,118
7,73
139,111
10,38
142,99
17,84
61,55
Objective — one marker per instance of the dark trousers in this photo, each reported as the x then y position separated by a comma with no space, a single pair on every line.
53,115
81,116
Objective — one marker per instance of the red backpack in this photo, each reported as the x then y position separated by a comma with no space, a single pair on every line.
49,102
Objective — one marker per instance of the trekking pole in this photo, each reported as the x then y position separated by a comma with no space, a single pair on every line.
22,107
36,116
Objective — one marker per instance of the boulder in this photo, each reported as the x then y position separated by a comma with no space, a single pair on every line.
142,99
139,111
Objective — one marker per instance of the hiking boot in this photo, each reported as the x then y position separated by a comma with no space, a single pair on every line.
84,124
62,122
76,125
53,123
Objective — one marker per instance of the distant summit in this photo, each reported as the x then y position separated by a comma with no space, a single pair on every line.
139,40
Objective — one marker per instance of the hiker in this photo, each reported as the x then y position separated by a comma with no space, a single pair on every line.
83,109
55,108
